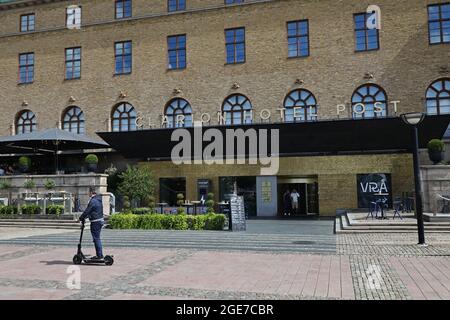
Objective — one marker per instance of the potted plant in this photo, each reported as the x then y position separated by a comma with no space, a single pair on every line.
91,161
180,202
210,203
436,150
29,185
24,164
49,184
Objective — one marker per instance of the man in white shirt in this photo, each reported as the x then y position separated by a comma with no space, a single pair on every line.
295,198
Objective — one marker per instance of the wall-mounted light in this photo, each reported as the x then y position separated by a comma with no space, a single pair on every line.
299,82
368,76
235,86
72,99
24,103
176,91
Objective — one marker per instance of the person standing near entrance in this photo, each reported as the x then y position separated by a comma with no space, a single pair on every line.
295,198
287,203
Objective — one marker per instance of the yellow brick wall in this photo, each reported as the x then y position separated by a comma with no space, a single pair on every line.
405,65
336,175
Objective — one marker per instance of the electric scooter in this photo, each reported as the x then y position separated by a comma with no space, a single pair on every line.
80,257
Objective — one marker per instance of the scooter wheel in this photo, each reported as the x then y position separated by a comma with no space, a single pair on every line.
109,260
77,259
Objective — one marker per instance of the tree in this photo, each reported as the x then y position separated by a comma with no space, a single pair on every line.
137,183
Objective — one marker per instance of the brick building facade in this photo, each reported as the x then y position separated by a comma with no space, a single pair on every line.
403,66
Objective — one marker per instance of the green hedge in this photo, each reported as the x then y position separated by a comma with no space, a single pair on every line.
55,209
8,210
142,211
30,209
167,222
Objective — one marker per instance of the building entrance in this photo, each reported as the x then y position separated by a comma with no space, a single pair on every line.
306,192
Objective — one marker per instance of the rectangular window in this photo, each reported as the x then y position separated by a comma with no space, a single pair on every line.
73,63
365,39
233,1
123,57
26,67
235,45
27,22
298,38
123,9
176,5
177,51
73,17
439,23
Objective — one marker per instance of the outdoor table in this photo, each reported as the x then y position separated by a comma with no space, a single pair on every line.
187,205
381,202
162,205
195,203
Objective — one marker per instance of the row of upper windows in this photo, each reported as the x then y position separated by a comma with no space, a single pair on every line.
123,9
368,101
297,38
367,38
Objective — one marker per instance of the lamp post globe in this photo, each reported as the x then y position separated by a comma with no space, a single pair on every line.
414,119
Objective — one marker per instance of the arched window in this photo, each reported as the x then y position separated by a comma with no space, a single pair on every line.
237,109
438,97
300,105
73,120
369,101
25,122
179,113
124,118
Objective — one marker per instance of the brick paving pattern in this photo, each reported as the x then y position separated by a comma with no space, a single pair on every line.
315,266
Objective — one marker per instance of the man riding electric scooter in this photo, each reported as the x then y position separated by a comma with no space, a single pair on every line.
94,212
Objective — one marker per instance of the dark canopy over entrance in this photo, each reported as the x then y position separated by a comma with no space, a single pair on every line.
296,139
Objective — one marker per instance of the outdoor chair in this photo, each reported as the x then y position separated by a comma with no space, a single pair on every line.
373,209
398,206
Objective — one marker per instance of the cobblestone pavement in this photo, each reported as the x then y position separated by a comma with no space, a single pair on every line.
362,266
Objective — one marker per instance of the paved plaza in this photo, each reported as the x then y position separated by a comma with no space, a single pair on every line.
272,260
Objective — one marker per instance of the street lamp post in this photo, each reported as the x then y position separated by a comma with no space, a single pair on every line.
414,120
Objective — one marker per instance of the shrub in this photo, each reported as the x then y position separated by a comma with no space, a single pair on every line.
126,202
150,222
180,199
49,184
210,203
91,159
55,209
196,222
181,210
30,209
168,222
25,162
124,221
5,185
137,183
8,210
436,145
29,184
214,221
150,201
